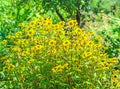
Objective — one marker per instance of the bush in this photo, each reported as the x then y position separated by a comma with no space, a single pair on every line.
50,56
111,34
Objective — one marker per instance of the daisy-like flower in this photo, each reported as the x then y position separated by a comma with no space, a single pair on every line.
39,47
87,54
52,43
21,24
61,24
11,67
5,68
66,43
31,33
72,23
39,24
15,48
32,23
48,22
4,41
24,53
78,31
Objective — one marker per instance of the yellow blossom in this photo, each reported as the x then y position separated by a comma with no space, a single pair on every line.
32,23
66,65
31,33
39,24
61,24
25,53
66,43
11,67
39,47
8,36
58,68
21,24
15,48
72,23
52,42
5,68
87,54
19,33
118,84
31,61
78,31
4,41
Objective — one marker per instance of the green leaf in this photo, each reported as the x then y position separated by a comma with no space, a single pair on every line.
22,11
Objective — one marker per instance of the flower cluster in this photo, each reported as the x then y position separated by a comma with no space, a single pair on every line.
62,52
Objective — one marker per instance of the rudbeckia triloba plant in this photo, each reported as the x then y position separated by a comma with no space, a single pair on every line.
43,55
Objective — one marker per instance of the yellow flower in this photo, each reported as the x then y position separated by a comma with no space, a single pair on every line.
13,37
114,80
4,58
57,27
66,43
40,18
8,61
31,33
48,22
65,47
39,47
31,61
58,68
66,65
87,54
92,32
90,43
114,60
15,48
54,51
11,67
74,88
53,70
5,68
52,42
39,24
118,84
21,24
82,43
78,31
98,45
18,42
32,23
18,34
37,41
72,23
9,36
33,48
40,77
4,42
99,38
61,24
24,53
60,32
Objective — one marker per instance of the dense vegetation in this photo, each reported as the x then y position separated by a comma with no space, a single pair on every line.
59,44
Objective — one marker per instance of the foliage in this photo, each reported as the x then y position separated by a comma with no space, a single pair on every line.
79,9
111,35
13,12
49,54
46,55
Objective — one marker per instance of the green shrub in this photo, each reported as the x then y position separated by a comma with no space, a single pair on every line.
49,56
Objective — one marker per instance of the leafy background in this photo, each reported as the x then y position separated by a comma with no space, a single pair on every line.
100,16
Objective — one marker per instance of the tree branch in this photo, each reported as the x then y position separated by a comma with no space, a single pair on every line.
60,16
